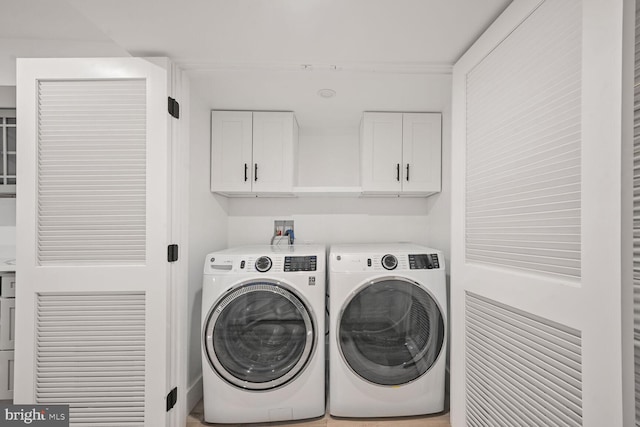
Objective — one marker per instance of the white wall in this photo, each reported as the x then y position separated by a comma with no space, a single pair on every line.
207,230
256,89
329,153
330,220
8,96
439,205
13,48
329,157
7,214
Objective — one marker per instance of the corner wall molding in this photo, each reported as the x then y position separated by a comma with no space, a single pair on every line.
310,66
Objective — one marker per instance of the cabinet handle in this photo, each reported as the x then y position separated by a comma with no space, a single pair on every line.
255,172
246,169
398,172
407,171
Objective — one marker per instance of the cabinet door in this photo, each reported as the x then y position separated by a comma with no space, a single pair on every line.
6,374
7,323
421,150
382,152
273,151
231,135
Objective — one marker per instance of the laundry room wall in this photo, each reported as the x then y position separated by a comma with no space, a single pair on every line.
330,220
329,153
328,156
439,205
207,231
7,97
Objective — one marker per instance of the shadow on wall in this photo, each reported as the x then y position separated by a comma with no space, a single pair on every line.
195,361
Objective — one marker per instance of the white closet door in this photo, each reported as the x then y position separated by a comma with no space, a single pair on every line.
92,308
537,316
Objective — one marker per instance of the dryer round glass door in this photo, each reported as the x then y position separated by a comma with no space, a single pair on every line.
391,331
259,336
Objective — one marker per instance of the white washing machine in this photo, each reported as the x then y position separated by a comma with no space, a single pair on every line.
263,334
387,330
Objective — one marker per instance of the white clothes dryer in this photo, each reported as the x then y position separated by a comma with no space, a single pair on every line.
387,332
263,323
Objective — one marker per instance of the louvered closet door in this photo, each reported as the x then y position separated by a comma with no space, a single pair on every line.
92,309
536,219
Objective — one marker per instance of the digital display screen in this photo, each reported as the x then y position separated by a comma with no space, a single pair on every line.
300,263
423,262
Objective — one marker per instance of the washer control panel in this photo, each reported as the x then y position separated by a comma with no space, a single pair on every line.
267,261
423,261
300,263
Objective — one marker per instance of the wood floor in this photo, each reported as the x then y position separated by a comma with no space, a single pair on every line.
438,420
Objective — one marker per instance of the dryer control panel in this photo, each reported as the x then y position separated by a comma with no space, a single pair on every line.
394,262
423,261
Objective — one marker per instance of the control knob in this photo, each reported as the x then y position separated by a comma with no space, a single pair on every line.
263,264
389,262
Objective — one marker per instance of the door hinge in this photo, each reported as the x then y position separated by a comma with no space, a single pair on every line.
172,398
174,108
172,253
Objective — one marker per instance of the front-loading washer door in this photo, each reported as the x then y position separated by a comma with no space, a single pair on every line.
259,336
391,331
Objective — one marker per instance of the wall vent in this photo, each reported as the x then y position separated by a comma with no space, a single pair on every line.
90,354
523,153
521,369
91,172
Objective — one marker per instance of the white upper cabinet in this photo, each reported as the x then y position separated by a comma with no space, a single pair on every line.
231,159
382,152
253,152
401,153
275,137
421,152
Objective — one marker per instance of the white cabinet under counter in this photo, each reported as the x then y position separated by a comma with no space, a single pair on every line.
6,374
7,332
253,153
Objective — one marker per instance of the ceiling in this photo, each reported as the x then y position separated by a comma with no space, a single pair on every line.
268,54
